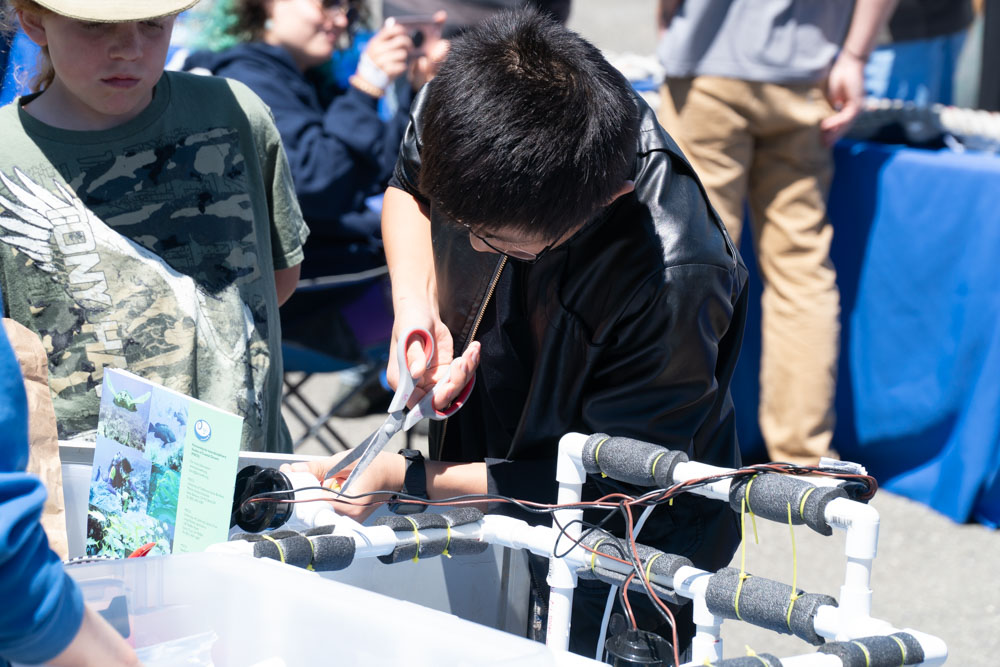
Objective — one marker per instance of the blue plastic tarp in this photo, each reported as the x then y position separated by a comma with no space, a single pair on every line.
917,247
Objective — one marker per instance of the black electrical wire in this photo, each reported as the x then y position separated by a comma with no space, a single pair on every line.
858,486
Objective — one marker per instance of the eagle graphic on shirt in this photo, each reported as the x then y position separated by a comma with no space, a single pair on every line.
158,286
41,223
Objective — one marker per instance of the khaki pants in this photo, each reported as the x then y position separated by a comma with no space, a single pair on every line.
761,142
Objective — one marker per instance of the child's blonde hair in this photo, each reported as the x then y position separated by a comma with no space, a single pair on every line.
9,25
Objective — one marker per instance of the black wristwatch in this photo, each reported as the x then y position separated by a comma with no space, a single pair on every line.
414,483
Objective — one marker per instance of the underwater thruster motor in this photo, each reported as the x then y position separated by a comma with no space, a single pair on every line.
638,648
259,516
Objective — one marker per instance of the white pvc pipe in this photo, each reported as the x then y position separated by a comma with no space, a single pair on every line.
692,583
831,623
306,513
689,470
562,575
513,533
861,522
826,622
851,620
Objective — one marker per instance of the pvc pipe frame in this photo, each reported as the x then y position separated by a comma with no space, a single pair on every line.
851,620
562,576
935,653
859,521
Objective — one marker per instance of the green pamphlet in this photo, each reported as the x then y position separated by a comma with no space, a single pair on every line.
164,470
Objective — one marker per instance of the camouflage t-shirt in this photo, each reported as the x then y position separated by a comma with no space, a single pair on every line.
152,247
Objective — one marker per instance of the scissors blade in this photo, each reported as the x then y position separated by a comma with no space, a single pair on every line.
353,455
372,445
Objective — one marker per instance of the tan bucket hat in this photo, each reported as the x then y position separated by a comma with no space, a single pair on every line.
116,11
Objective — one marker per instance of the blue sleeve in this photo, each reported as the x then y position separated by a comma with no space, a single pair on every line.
42,606
339,155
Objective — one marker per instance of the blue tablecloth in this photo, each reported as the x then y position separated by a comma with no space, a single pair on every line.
917,251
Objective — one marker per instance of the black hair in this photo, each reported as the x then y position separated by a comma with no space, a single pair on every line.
245,19
526,128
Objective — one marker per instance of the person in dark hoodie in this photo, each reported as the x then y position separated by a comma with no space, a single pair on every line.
340,151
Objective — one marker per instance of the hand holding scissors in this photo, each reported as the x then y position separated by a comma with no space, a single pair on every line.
399,419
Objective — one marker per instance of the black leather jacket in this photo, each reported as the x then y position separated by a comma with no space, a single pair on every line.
636,325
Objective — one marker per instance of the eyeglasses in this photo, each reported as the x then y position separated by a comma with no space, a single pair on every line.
345,6
513,252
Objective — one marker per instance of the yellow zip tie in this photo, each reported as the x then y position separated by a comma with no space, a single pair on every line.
743,558
902,648
652,470
312,547
739,589
416,536
795,572
281,552
598,451
649,563
864,649
753,517
802,503
753,654
448,543
593,554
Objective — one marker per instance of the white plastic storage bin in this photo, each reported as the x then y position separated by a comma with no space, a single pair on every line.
251,612
489,588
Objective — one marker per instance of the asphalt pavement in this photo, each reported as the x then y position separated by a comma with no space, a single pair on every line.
931,574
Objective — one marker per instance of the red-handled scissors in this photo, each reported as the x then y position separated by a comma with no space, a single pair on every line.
399,419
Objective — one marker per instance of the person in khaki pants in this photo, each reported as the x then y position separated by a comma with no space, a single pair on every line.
757,91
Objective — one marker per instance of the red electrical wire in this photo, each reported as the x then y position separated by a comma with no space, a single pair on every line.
625,502
627,605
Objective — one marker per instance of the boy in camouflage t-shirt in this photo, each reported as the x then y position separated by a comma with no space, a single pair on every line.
153,245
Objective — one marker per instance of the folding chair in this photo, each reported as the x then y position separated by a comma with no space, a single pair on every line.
332,324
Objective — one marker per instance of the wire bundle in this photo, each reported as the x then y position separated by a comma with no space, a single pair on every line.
596,539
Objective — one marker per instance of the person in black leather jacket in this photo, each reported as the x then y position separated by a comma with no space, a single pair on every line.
541,222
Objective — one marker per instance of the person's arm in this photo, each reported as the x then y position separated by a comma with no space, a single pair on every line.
846,83
334,152
96,643
386,473
285,281
406,234
42,617
339,151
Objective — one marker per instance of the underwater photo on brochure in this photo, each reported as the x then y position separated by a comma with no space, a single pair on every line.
164,470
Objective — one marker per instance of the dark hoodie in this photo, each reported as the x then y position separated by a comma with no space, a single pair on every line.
340,151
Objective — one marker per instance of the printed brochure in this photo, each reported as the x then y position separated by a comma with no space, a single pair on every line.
164,470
